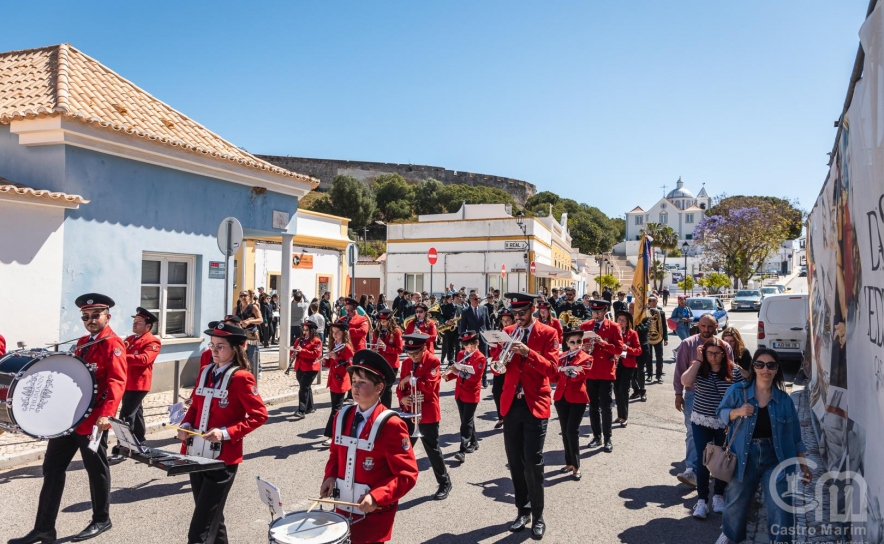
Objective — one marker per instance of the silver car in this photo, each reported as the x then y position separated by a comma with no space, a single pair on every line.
747,299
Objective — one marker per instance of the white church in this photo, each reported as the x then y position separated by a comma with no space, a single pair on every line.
679,209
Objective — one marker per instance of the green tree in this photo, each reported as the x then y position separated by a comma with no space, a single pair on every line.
427,199
667,242
607,280
687,284
657,273
591,230
452,196
715,282
350,198
394,197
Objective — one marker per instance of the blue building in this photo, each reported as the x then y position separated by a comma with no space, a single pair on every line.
105,188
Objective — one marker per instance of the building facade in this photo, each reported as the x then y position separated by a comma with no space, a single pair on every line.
679,209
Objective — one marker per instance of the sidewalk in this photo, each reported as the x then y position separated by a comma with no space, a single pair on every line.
275,388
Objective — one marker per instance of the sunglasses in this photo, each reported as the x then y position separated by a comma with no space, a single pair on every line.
575,342
243,296
91,317
771,365
520,313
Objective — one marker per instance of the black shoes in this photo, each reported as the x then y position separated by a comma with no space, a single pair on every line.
460,457
520,523
644,398
608,446
499,424
33,537
115,459
443,491
93,530
538,528
635,395
298,415
659,380
596,442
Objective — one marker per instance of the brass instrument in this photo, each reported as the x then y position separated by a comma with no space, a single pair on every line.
569,320
417,402
434,312
408,320
375,346
450,325
499,366
569,373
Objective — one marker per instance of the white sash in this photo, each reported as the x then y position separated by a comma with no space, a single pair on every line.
197,445
348,490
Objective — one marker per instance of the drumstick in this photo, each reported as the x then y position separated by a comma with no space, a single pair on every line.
332,501
188,431
312,506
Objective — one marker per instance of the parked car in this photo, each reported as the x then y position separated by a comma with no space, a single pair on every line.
746,299
802,272
782,322
769,290
677,277
701,306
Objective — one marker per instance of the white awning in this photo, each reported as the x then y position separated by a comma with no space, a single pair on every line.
548,271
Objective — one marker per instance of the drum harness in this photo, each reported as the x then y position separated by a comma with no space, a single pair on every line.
197,445
346,489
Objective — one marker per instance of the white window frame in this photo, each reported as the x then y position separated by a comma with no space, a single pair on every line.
689,218
165,259
664,218
412,287
639,220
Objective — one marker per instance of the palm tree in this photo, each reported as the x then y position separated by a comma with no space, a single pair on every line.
667,241
657,272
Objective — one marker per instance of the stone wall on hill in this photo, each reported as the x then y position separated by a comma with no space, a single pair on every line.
326,169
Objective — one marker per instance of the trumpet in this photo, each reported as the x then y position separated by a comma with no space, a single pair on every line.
499,366
417,402
589,346
375,346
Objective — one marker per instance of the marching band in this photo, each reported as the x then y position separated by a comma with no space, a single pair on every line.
371,464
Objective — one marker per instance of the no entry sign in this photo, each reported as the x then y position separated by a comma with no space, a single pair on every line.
432,256
533,267
503,271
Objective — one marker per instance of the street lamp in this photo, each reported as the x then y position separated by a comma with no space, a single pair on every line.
684,249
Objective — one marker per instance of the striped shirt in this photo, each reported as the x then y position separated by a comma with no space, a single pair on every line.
708,393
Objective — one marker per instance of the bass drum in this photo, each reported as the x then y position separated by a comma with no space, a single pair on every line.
45,394
316,527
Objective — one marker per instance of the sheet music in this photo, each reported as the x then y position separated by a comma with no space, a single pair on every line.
590,334
464,368
270,496
94,438
177,412
496,337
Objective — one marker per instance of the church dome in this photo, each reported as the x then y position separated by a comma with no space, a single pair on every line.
680,191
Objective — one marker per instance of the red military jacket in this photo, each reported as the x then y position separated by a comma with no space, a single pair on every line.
556,324
241,412
205,359
533,371
606,351
573,389
2,345
338,378
307,359
390,470
141,352
427,327
109,358
633,349
391,347
358,331
468,387
429,377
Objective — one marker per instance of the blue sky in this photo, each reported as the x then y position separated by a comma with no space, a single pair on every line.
603,102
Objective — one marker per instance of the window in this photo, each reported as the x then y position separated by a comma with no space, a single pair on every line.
689,218
689,237
664,218
639,220
167,291
414,283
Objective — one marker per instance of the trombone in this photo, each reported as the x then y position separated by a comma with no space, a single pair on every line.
499,366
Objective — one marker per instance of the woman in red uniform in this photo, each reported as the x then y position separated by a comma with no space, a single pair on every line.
570,398
390,346
340,356
467,391
627,364
229,419
308,350
506,319
544,315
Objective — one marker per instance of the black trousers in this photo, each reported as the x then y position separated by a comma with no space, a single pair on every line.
387,393
131,412
523,437
274,329
570,417
59,453
210,489
467,411
337,400
497,391
621,391
658,355
430,440
449,346
305,392
600,406
643,362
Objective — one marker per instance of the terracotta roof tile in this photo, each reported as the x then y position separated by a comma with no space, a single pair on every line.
61,80
9,188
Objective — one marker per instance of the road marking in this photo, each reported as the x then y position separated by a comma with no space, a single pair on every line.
748,327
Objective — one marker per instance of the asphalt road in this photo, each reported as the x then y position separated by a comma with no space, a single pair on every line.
630,495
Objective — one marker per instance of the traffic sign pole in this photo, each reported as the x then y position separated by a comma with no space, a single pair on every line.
227,268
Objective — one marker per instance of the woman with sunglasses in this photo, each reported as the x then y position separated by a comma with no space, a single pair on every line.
764,427
711,374
570,398
339,357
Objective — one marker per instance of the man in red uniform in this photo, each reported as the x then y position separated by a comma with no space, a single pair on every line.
467,390
524,405
358,324
142,349
390,346
106,351
421,324
421,374
605,350
385,470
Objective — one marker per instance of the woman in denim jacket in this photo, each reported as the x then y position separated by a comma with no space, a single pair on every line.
768,435
683,317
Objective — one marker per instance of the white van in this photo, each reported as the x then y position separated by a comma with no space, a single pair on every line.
781,324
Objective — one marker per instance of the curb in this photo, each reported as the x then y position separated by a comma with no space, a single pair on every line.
24,458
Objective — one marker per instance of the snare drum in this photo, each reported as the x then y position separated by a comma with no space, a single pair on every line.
319,527
45,394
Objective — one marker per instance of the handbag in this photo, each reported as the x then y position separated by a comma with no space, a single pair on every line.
721,461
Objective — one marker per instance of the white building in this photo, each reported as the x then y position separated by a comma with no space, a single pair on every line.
679,209
475,245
